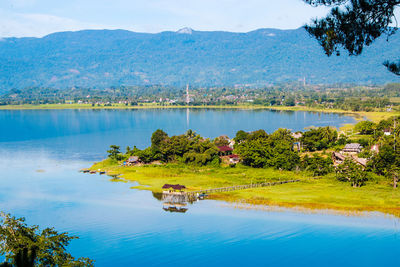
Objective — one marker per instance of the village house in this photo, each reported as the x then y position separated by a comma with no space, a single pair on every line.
297,146
132,161
297,135
225,150
360,161
174,187
352,148
387,131
337,158
234,159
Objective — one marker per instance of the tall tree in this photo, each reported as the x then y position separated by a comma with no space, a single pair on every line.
114,152
351,172
353,24
27,246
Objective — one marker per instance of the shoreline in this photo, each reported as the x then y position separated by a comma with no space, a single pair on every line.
312,195
358,115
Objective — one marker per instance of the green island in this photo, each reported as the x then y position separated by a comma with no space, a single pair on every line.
345,171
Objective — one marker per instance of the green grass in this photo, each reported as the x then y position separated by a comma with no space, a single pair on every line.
324,193
310,193
153,177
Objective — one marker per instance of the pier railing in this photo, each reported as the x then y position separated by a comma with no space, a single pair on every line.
193,194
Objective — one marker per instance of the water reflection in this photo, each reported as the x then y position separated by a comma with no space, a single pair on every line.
119,226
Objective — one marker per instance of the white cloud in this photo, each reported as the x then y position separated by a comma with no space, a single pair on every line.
41,17
38,25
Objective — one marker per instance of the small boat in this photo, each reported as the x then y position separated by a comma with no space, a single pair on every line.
102,172
85,171
92,172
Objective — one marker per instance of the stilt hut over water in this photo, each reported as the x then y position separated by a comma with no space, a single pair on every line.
174,187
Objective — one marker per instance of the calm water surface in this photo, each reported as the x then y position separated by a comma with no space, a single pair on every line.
42,151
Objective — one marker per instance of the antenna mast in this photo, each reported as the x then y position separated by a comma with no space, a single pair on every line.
187,95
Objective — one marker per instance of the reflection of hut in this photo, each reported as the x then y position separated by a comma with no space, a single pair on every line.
352,148
174,207
225,150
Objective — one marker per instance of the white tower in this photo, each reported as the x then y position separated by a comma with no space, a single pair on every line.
187,95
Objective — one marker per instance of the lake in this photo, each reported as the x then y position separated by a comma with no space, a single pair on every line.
41,152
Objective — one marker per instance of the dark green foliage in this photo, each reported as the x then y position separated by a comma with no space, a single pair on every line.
146,155
290,102
342,140
190,147
384,159
221,141
114,152
261,150
353,24
255,152
319,138
158,138
204,59
351,172
26,246
241,136
393,172
365,127
318,165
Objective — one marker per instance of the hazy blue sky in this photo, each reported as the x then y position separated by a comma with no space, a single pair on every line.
40,17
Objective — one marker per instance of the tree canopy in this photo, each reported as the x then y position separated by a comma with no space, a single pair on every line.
25,245
354,24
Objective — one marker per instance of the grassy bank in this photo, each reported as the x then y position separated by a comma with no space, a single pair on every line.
323,193
153,177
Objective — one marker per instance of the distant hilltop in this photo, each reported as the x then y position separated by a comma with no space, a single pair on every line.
104,58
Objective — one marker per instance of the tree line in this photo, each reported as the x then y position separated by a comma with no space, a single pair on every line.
308,151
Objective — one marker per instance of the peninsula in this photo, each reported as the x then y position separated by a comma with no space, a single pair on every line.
351,171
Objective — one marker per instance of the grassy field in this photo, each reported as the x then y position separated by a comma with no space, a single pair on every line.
153,177
310,193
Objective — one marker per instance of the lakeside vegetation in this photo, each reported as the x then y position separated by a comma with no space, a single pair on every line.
28,246
199,163
341,97
372,102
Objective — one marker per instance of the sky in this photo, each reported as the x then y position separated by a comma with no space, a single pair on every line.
37,18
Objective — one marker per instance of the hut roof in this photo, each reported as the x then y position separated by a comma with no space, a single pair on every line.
338,155
174,186
297,135
133,159
361,161
353,146
225,148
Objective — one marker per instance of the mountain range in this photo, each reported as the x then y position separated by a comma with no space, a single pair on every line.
104,58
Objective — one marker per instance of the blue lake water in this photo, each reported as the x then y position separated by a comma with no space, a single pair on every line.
41,152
